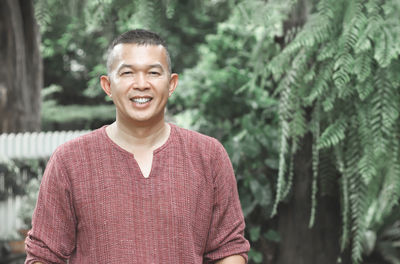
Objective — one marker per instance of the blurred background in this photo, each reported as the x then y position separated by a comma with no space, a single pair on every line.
303,94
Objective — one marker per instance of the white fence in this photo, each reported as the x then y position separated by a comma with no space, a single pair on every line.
9,220
24,146
33,145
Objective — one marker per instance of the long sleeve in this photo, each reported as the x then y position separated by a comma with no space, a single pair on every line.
226,235
53,233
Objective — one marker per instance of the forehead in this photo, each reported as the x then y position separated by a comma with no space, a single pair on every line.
140,55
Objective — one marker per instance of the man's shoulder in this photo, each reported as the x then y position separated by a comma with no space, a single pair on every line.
194,136
197,141
84,141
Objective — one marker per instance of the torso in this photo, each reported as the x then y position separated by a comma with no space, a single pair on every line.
123,217
158,216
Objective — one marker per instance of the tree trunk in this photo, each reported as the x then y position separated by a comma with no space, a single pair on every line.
21,67
300,244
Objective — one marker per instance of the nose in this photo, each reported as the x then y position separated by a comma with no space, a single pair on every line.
140,82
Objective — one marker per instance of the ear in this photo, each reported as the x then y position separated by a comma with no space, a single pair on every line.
105,84
173,82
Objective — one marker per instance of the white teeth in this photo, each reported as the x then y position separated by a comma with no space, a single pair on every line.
141,100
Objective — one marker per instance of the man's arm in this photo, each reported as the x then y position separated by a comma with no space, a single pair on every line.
226,234
52,237
235,259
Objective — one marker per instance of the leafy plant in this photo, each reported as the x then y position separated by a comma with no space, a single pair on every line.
337,78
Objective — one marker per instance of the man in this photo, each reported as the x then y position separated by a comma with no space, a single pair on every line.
139,190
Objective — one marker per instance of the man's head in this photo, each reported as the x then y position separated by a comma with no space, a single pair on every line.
139,37
139,79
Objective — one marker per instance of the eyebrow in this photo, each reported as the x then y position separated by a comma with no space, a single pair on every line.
155,65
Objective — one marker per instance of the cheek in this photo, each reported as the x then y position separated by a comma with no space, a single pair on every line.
120,86
118,82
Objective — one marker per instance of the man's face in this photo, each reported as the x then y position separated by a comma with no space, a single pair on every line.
139,82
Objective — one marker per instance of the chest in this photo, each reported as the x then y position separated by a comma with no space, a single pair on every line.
118,202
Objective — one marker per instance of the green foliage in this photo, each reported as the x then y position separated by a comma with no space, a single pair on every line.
15,174
75,116
255,256
76,34
343,62
387,238
223,97
260,83
29,202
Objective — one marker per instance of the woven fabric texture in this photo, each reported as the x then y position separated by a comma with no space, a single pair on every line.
95,206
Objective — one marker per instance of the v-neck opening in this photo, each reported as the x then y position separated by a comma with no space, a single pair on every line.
131,155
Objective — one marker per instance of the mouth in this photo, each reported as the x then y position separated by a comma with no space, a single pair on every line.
141,100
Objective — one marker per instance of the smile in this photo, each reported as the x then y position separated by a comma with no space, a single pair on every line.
141,100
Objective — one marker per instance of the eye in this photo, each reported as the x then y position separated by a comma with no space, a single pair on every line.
154,73
126,72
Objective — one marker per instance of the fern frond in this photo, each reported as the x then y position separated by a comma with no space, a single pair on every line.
367,164
343,68
170,6
390,192
358,190
363,65
327,51
289,181
381,55
281,184
326,9
316,31
363,43
310,75
354,22
321,83
345,198
42,13
333,134
298,126
278,66
315,163
146,13
365,89
385,111
358,209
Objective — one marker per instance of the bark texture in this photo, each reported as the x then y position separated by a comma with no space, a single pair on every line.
21,67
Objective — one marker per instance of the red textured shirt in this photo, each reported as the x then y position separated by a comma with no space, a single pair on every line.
95,206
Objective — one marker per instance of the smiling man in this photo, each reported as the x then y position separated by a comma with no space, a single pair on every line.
140,190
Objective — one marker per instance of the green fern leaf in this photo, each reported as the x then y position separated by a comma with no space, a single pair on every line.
321,83
281,184
343,67
362,66
345,198
327,51
289,181
365,89
333,134
315,163
381,54
170,8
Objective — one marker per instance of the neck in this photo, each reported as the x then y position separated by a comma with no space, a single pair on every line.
139,136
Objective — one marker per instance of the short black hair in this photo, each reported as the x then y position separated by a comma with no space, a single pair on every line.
140,37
